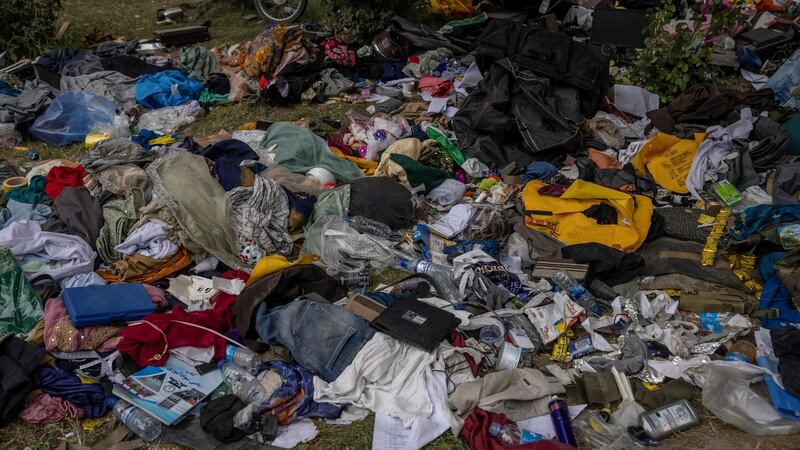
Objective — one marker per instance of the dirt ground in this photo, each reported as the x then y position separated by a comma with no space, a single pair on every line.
137,19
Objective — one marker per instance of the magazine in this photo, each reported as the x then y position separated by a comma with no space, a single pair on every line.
168,392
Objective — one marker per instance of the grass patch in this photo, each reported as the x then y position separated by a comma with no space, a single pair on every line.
137,19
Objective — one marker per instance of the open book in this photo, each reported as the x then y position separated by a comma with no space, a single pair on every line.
169,392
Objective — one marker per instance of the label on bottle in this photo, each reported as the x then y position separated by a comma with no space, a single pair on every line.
419,266
577,293
422,267
581,347
671,418
229,351
126,414
509,357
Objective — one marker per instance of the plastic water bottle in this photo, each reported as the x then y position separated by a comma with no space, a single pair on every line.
355,279
242,357
243,384
510,434
441,274
366,225
577,292
139,422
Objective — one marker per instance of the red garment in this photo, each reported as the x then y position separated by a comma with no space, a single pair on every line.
553,190
437,87
768,5
457,340
476,432
146,344
337,51
60,177
336,140
46,409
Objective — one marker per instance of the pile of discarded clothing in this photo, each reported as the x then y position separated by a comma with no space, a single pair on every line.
497,248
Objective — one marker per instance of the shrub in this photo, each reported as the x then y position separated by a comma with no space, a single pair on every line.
29,27
361,20
671,62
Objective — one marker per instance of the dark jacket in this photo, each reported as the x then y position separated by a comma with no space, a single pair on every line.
18,359
281,288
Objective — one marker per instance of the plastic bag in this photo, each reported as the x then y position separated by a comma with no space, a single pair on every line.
554,318
601,434
378,132
71,116
727,394
20,308
168,120
119,128
342,249
9,136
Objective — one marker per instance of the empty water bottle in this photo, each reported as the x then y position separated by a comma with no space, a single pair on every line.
366,225
510,434
577,292
441,275
361,278
243,384
242,357
139,422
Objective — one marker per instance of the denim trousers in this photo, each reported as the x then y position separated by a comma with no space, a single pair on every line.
323,337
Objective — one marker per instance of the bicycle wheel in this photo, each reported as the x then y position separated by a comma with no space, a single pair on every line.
281,10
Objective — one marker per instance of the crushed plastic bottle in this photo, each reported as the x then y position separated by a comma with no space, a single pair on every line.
441,275
242,357
510,434
577,292
242,383
365,225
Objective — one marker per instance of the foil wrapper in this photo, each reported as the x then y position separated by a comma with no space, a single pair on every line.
707,348
582,364
649,376
631,309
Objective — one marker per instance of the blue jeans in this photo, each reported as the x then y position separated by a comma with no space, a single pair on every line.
323,337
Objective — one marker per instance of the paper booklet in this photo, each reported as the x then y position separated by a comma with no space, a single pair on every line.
168,392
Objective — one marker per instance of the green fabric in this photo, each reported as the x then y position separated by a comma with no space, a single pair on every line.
419,173
198,202
457,28
20,308
300,150
446,144
198,62
207,98
335,202
119,215
33,193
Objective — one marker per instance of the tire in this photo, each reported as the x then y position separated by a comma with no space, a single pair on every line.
263,9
